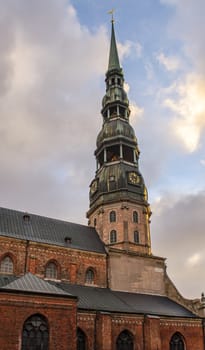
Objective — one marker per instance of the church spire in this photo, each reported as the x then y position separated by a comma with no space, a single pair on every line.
114,62
118,187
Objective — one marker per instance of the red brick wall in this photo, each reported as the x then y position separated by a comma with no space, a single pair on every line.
124,225
101,328
60,314
190,329
16,250
152,333
133,324
86,321
149,332
72,264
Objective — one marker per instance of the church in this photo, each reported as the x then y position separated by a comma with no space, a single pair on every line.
98,287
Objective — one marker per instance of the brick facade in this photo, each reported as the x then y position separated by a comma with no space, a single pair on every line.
101,329
149,332
71,264
124,225
60,313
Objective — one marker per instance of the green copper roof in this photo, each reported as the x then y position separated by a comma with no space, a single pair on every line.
113,58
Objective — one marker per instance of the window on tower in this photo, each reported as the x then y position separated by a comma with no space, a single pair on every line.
112,216
135,216
122,111
113,111
128,154
113,236
101,158
113,153
136,237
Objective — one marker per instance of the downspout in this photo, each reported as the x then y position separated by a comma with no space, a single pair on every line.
95,332
143,332
203,326
26,257
107,271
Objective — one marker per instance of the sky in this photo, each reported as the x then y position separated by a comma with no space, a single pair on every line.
53,59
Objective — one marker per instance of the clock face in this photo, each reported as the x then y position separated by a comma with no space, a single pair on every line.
133,178
93,187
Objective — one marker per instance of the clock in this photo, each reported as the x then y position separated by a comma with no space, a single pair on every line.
133,178
94,186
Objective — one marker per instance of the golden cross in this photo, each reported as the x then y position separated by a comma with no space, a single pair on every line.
111,12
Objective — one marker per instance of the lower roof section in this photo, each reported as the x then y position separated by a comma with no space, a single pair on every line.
99,299
105,299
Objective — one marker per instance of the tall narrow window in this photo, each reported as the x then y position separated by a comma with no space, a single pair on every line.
51,271
125,341
112,216
136,237
176,342
81,340
113,236
135,216
35,333
89,277
6,265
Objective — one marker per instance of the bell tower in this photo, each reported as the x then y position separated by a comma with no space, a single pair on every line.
119,209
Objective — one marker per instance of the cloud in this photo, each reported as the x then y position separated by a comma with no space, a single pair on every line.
49,93
178,234
136,111
187,26
170,63
187,102
170,2
194,260
129,48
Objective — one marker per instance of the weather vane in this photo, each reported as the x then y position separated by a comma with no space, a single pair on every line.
111,12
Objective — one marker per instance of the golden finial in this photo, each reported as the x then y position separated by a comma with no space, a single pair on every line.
111,12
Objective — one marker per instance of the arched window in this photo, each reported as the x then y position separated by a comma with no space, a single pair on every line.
136,237
113,236
81,340
135,216
89,277
6,265
125,341
35,333
51,271
112,216
176,342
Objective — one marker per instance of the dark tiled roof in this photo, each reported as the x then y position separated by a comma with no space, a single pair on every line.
48,230
6,279
100,299
31,283
104,299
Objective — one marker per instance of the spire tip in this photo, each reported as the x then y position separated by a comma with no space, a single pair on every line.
111,12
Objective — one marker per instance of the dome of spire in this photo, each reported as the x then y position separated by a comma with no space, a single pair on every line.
116,128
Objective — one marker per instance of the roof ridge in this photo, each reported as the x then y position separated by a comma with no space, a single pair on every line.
43,216
32,283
